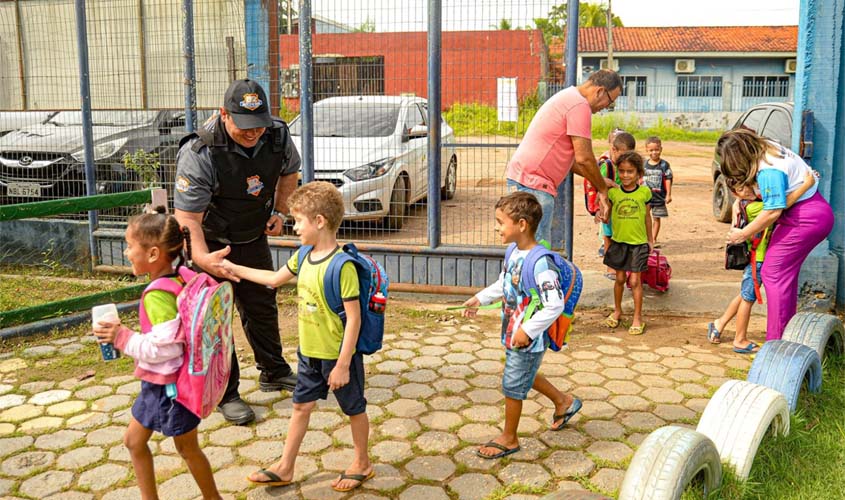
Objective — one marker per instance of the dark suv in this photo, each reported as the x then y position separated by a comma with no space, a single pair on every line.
772,120
47,160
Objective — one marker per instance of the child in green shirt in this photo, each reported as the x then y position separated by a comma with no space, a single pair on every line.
749,291
632,239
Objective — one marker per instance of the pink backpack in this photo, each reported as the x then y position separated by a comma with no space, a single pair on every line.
205,311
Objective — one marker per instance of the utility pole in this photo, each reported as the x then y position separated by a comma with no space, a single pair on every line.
609,37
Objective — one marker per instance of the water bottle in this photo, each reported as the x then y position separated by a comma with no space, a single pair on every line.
106,313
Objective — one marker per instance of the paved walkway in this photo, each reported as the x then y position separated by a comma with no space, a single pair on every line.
433,397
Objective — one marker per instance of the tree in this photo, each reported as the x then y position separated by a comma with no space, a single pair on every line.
368,26
504,25
552,25
590,15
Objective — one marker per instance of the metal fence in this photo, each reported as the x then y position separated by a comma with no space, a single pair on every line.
370,79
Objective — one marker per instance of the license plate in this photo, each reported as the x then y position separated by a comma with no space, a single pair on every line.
24,189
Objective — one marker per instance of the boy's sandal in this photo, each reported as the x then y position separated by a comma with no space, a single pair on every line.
505,451
361,478
611,322
636,330
749,349
713,335
274,479
573,409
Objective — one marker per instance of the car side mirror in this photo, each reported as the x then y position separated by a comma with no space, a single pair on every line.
418,131
168,126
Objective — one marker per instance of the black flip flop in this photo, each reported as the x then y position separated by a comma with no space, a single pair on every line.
492,444
275,480
574,408
355,477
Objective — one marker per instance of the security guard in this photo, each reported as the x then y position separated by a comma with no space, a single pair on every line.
233,178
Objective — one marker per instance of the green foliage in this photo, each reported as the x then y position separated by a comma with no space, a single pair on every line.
591,15
504,25
146,165
368,26
480,119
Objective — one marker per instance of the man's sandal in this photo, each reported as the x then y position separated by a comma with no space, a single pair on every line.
611,322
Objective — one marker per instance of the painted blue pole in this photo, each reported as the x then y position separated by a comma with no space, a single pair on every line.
87,123
306,97
562,223
257,30
819,84
190,67
435,11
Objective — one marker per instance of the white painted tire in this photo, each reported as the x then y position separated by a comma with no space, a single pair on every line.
737,418
667,461
822,332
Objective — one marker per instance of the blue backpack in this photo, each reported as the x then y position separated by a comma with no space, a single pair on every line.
571,283
372,285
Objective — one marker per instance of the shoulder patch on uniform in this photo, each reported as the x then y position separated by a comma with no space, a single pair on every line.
182,184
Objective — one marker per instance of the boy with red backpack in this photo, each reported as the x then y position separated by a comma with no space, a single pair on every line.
331,342
540,291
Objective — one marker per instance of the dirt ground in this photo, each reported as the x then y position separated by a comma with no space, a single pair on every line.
691,238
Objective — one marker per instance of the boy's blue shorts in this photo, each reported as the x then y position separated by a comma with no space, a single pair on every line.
747,288
520,370
312,383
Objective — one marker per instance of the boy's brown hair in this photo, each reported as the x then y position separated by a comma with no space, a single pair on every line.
654,140
624,140
632,158
318,198
522,205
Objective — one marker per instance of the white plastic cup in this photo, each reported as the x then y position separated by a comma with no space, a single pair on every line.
106,313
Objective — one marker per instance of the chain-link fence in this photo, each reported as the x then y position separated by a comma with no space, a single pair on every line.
370,82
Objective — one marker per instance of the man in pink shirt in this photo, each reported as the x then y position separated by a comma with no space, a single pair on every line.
558,140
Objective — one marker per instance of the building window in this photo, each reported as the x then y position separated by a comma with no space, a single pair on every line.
699,86
639,83
765,86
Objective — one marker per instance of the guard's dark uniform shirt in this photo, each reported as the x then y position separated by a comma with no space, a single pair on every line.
232,186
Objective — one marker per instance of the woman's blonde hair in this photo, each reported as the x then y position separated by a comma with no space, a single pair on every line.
741,151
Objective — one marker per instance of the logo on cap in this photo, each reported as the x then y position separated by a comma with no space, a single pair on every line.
251,101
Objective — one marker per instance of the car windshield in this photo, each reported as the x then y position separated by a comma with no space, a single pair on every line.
118,118
352,119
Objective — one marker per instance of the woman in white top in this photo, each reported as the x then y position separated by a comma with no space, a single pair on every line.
774,171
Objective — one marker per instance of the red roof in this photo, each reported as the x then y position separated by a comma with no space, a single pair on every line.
687,39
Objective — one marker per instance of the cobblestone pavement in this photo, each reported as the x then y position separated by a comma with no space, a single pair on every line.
433,397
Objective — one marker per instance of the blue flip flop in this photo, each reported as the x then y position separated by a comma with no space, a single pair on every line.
573,409
492,444
749,349
713,335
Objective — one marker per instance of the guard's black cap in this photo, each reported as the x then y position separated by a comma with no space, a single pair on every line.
246,102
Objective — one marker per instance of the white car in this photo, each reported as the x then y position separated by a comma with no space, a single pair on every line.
374,149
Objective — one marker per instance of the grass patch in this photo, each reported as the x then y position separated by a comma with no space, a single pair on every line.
479,119
17,292
515,489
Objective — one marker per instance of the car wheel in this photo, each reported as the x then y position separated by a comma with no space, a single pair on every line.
398,203
722,200
447,192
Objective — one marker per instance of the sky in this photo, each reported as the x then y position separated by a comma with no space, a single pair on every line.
411,15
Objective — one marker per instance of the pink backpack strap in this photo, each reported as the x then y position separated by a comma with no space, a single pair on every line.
164,284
